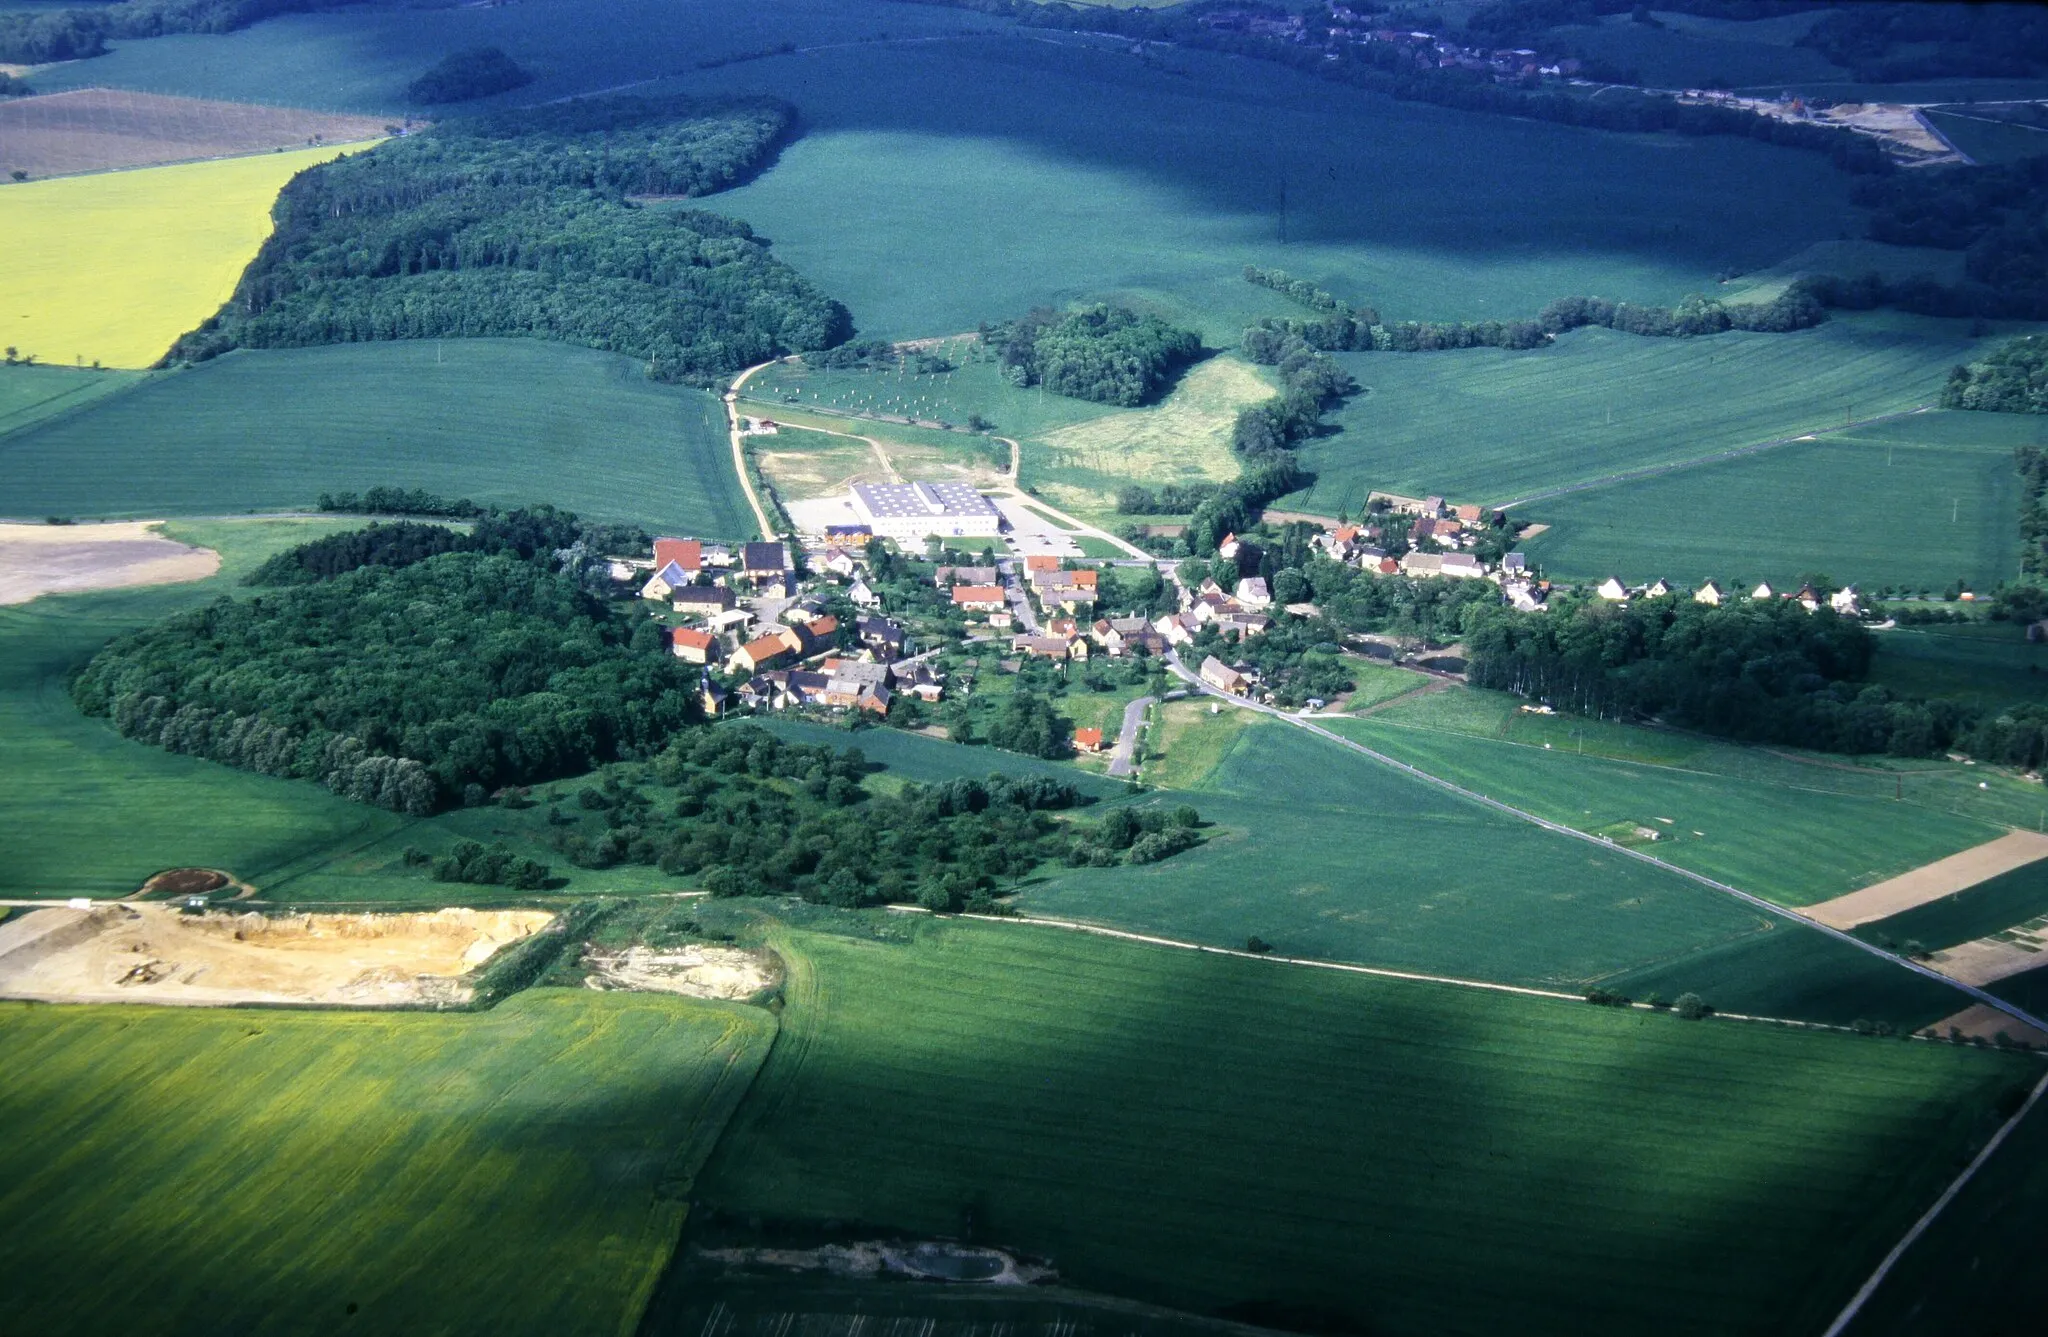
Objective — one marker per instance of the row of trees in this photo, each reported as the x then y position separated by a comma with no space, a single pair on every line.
33,36
1107,354
1344,328
407,687
526,533
1166,499
520,224
753,815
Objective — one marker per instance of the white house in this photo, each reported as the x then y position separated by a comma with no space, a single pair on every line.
1612,590
1763,591
1845,602
1709,594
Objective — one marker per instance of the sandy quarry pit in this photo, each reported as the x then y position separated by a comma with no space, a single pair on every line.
65,559
149,953
696,971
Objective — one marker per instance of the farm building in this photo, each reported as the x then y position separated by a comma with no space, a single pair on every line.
919,510
691,646
980,598
1223,677
701,599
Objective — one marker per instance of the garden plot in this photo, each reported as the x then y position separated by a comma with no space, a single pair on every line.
156,954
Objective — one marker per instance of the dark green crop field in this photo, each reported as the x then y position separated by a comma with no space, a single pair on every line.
1491,426
1227,1135
31,394
1324,853
193,1170
1792,846
1990,663
505,420
1915,503
1974,912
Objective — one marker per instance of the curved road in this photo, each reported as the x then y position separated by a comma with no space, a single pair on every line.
1127,739
739,451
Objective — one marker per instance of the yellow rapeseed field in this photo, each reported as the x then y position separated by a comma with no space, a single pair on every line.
113,267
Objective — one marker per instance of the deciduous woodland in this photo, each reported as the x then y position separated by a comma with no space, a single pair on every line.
521,224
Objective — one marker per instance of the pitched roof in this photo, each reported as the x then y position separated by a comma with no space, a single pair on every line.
1041,562
686,553
978,594
1088,738
764,557
696,640
765,647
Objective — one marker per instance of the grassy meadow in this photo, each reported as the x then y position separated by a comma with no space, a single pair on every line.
1488,425
1239,1137
197,1170
111,268
1916,502
500,420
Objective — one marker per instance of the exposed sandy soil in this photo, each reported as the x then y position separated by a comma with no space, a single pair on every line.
94,129
698,971
149,953
1988,959
1931,882
1988,1022
64,559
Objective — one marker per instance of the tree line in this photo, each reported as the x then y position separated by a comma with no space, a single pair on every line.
748,814
406,686
1344,328
33,36
520,224
1106,354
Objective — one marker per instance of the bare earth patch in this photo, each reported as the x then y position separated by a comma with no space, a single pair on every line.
64,559
1986,960
699,972
1986,1021
1931,882
147,953
96,129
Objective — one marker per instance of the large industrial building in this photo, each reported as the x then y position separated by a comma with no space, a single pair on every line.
920,510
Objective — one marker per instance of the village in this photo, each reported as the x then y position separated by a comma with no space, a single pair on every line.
923,597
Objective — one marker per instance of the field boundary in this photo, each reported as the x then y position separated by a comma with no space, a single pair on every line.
1927,1218
1931,882
2012,1010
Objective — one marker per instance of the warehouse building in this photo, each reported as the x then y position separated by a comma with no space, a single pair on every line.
905,511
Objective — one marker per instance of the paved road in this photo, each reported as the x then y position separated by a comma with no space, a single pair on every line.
1127,740
739,450
1020,602
1194,681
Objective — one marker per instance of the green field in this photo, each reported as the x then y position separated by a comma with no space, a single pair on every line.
1685,51
1975,912
1324,853
1237,1136
32,394
1990,663
507,421
1989,141
1794,847
1487,425
1962,1275
192,1170
1916,502
90,813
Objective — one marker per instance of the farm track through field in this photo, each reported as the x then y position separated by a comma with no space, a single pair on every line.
2012,1010
1676,466
739,450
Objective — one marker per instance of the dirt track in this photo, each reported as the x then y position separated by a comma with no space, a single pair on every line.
65,559
151,953
1931,882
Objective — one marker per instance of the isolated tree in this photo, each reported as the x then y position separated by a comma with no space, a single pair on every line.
1691,1006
